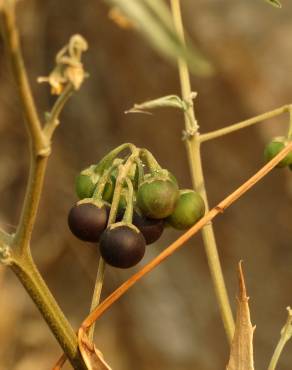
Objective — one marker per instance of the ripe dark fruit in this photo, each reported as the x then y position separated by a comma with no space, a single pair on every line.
87,221
274,148
157,197
189,209
150,228
122,245
84,186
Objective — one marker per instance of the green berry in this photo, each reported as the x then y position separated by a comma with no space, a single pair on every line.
189,209
157,197
274,148
85,182
84,186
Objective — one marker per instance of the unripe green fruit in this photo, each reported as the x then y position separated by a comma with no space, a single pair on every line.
84,186
162,173
157,197
190,207
85,182
274,148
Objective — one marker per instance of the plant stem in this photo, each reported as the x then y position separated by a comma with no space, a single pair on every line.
39,145
53,117
286,334
249,122
34,188
194,157
180,242
31,279
11,38
123,171
128,215
97,293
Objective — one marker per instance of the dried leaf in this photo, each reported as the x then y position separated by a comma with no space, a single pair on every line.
241,353
92,357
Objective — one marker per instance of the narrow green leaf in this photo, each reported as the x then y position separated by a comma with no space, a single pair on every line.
154,22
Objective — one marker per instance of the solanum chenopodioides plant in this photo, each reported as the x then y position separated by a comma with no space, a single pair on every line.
123,205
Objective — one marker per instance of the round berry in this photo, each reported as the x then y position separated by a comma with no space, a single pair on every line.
84,186
189,209
274,148
157,197
122,245
87,221
150,228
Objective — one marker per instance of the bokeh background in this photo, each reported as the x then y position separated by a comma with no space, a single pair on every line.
170,320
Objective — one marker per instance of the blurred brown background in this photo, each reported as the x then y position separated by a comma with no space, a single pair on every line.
169,320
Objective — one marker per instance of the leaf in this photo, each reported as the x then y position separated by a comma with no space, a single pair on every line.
241,353
170,101
92,357
153,20
275,3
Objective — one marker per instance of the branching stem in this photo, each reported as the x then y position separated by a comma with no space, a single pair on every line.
194,157
39,143
240,125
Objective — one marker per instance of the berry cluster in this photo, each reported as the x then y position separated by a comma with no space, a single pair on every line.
125,203
274,148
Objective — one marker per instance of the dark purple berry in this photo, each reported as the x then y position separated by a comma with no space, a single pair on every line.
150,228
87,221
122,245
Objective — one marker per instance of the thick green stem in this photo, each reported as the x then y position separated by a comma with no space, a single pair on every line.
31,279
37,172
194,157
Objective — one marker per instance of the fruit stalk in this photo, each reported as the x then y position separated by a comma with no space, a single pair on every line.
123,170
194,157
